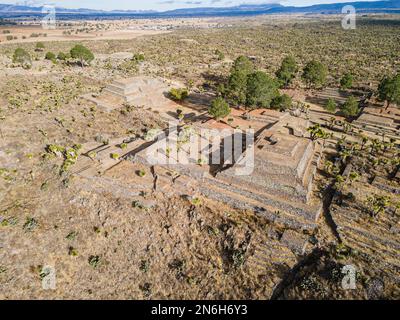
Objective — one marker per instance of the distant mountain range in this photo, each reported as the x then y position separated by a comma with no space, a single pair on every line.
361,6
9,8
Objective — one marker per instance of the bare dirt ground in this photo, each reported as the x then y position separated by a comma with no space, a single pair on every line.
32,31
24,35
174,250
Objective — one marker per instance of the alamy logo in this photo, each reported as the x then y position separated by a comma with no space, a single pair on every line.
48,276
49,20
349,279
49,11
349,20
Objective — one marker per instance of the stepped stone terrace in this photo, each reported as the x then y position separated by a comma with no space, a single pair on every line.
376,119
141,91
278,185
138,90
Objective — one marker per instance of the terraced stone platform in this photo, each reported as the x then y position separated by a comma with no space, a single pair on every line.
339,96
278,187
281,167
377,237
140,91
378,121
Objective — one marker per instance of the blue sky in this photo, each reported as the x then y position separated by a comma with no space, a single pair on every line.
160,5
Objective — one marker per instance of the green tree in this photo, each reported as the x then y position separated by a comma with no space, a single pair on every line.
236,90
287,71
347,81
219,108
220,55
330,105
261,90
138,57
23,58
389,90
83,54
237,83
50,56
39,46
243,64
350,107
62,56
315,74
282,102
178,94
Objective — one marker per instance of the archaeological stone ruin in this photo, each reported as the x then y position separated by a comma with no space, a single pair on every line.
259,160
278,184
140,91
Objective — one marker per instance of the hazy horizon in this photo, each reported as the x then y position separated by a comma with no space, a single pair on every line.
164,5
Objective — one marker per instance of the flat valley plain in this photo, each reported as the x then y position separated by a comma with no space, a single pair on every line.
101,245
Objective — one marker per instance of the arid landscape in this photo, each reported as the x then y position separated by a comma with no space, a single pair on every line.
81,106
